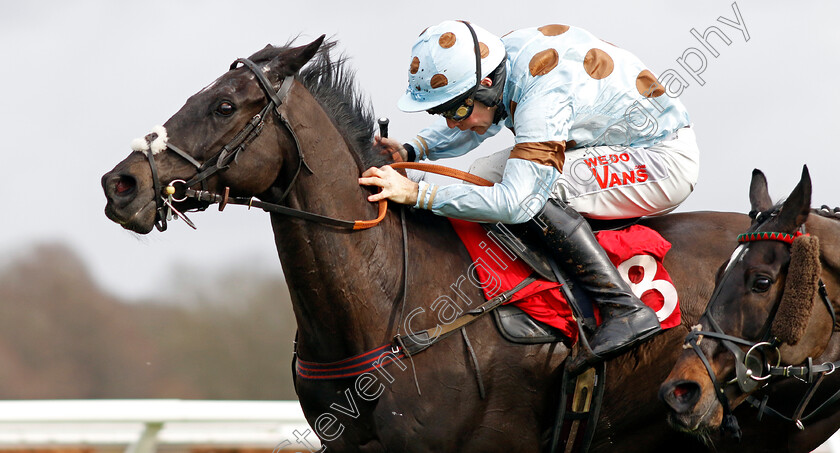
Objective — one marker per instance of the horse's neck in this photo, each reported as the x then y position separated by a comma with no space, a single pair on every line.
340,281
828,231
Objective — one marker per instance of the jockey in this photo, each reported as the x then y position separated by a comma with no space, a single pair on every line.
594,135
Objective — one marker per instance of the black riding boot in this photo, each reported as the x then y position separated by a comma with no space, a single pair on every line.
626,320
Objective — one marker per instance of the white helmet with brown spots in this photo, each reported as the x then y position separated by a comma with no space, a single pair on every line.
443,64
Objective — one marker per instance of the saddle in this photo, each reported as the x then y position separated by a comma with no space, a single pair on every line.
517,326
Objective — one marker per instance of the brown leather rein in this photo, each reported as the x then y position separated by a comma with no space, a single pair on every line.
225,199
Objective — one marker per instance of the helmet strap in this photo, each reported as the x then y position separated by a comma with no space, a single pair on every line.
492,96
477,50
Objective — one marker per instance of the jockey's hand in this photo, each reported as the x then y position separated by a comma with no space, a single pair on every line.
395,186
390,147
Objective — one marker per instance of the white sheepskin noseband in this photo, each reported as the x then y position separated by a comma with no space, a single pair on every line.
155,140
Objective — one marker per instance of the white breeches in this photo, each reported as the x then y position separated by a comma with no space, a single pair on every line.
611,182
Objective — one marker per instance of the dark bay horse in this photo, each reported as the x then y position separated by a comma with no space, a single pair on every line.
771,319
302,142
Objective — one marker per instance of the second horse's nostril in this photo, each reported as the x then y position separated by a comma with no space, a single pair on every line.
686,392
681,396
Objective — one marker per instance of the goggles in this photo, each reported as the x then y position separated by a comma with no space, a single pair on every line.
455,111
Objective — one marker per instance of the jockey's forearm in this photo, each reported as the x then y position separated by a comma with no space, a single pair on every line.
522,193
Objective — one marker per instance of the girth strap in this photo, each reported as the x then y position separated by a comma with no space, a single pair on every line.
402,346
351,367
420,341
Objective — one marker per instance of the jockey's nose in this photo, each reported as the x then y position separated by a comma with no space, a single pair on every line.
452,124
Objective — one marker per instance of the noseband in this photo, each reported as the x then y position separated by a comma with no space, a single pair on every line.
752,370
164,197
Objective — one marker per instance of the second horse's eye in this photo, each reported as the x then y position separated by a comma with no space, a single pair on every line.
762,284
225,108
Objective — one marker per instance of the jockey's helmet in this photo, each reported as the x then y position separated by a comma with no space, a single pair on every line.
448,62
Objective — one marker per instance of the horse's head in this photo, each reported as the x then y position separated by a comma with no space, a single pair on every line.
761,317
204,145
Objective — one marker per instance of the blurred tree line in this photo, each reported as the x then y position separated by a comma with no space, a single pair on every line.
63,337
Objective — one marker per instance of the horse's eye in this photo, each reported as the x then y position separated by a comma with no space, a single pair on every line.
761,284
225,108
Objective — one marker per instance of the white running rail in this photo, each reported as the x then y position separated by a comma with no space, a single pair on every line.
140,426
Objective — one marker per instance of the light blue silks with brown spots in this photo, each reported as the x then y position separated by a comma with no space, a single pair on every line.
565,89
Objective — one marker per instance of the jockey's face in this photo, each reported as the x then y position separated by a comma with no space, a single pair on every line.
478,122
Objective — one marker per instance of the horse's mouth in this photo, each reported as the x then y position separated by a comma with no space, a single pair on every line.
692,423
141,221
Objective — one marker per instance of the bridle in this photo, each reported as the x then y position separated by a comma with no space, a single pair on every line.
164,196
752,369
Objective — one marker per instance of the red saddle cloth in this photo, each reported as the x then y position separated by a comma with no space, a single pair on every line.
636,251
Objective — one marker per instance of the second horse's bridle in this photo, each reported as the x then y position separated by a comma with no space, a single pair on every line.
751,368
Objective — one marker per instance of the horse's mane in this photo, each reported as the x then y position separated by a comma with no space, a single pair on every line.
332,83
827,212
824,211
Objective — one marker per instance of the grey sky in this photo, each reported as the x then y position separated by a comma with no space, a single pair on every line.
82,78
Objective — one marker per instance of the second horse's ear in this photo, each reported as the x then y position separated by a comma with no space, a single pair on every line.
796,208
759,196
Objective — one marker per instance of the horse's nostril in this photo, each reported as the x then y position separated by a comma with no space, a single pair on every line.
686,392
119,186
681,396
124,184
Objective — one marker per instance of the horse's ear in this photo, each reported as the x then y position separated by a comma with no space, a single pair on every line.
296,57
759,196
796,208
